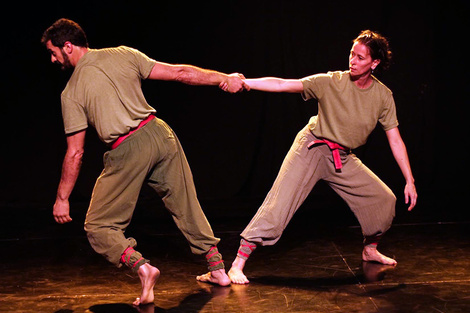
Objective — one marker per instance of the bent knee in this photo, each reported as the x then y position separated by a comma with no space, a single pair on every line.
391,198
387,197
388,203
92,230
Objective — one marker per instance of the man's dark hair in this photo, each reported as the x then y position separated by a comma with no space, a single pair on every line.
378,47
65,30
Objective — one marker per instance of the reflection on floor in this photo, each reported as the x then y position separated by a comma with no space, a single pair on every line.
311,269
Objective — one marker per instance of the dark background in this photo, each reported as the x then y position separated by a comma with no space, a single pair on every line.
235,143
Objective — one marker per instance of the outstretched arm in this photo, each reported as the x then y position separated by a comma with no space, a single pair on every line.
70,169
401,156
273,84
193,75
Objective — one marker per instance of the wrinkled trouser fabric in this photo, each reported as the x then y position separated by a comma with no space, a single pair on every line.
372,202
154,155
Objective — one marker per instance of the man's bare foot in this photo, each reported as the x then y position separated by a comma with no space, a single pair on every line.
217,277
370,254
236,272
148,275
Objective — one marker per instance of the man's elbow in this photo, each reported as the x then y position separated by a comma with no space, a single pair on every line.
185,74
180,74
75,154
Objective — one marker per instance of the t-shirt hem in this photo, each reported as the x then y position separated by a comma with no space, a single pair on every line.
75,129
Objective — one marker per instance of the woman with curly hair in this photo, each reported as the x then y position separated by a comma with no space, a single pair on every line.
350,103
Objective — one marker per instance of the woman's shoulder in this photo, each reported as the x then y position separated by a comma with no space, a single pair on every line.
330,76
381,86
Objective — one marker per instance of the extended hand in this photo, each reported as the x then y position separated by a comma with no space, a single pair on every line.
234,83
61,211
411,196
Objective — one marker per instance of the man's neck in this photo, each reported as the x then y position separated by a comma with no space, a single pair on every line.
77,54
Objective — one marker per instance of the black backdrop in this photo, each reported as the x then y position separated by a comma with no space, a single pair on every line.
236,143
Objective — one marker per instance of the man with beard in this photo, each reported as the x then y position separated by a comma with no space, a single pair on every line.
104,91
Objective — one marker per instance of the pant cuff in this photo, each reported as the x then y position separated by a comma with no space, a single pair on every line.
133,259
371,240
214,259
245,249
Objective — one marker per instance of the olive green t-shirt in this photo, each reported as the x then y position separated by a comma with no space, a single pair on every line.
348,114
105,91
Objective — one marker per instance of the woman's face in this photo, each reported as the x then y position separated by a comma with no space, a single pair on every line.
360,61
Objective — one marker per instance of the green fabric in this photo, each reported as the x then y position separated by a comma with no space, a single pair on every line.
154,155
371,201
347,114
105,91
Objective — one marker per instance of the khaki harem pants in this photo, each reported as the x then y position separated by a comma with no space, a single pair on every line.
154,155
372,202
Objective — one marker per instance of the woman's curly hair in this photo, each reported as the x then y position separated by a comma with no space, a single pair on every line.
378,47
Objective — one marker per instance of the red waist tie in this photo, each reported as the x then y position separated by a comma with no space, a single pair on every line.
334,149
118,141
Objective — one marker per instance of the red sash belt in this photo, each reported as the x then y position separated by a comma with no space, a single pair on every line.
118,141
334,147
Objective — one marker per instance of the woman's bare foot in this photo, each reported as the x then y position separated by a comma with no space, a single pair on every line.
370,254
217,277
148,275
236,272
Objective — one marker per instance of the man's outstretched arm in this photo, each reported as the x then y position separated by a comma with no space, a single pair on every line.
193,75
70,170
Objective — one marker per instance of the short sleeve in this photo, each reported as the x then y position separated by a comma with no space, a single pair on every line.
74,116
388,117
314,86
143,63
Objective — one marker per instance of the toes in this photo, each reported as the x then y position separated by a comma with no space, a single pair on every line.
238,277
204,278
240,280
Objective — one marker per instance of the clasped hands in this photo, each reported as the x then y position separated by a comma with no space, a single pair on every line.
234,83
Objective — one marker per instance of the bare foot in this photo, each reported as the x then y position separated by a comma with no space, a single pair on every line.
217,277
370,254
148,275
237,276
236,272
